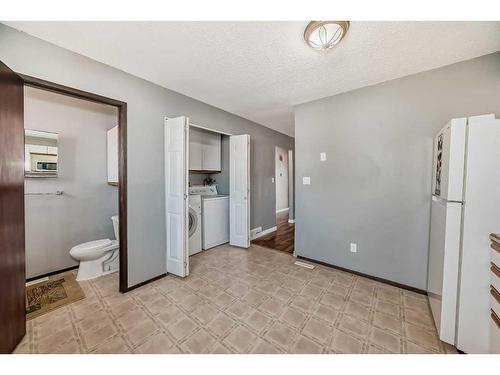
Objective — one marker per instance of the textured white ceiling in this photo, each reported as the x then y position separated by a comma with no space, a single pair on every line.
260,70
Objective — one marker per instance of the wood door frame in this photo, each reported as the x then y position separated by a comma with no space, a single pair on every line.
122,158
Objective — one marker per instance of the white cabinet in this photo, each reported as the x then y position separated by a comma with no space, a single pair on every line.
195,150
204,150
112,155
51,150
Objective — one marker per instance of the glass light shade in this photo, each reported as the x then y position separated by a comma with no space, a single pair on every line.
324,35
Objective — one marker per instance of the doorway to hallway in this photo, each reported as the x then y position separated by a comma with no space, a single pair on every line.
282,238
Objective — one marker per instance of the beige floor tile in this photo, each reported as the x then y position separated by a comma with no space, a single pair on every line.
93,338
282,294
141,332
392,296
304,345
412,348
238,290
221,325
293,284
387,308
157,344
293,317
303,303
421,318
240,310
311,291
280,334
50,342
357,310
170,315
354,327
223,300
275,307
318,331
199,342
333,300
339,290
372,349
122,308
387,322
241,339
416,302
132,318
114,345
272,307
386,340
182,329
191,302
221,349
422,337
361,297
204,313
255,298
257,321
326,313
69,347
264,347
346,344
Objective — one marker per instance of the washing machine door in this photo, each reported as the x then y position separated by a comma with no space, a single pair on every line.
193,221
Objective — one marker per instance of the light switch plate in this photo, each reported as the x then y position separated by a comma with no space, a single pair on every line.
354,247
272,180
322,156
306,180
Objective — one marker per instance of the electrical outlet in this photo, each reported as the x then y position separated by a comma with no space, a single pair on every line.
354,247
272,180
322,156
306,180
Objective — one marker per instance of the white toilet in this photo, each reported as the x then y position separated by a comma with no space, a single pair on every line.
98,257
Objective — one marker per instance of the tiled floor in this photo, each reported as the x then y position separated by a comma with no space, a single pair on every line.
240,301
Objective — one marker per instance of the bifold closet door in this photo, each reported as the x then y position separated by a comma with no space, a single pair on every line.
12,258
176,194
239,190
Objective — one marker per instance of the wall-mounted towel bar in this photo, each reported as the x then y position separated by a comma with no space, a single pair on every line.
58,192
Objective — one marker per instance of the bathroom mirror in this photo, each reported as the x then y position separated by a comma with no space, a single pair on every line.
40,153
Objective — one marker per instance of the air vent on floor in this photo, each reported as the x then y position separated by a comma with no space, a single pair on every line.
305,265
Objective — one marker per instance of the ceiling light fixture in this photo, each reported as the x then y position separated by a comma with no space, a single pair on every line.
324,35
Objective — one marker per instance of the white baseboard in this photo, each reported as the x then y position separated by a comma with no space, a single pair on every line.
282,210
291,221
258,232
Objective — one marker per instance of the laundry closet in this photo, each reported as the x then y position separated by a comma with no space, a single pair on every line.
207,191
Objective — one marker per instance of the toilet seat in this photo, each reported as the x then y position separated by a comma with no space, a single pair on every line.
91,249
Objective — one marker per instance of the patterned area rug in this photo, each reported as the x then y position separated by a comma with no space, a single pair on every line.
57,291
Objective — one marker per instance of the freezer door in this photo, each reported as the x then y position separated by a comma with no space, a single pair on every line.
481,217
449,159
442,276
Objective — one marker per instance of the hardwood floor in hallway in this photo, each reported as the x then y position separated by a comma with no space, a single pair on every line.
283,238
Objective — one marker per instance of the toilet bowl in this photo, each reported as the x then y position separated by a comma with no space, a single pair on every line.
99,257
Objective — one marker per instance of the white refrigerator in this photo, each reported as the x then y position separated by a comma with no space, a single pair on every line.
465,209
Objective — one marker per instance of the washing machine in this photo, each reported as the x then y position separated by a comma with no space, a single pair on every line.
194,224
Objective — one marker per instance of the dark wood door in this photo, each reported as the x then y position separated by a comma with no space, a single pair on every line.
12,258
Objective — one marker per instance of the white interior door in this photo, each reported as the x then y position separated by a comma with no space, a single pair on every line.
239,190
176,194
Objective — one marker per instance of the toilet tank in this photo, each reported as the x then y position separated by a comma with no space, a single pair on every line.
115,226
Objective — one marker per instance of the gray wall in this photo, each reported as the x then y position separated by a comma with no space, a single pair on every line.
54,224
147,106
374,188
